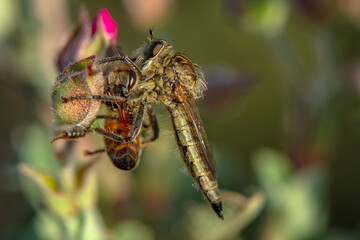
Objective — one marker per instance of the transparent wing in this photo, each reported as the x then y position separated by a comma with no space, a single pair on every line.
199,134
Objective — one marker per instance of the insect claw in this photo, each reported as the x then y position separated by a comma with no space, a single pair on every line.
57,138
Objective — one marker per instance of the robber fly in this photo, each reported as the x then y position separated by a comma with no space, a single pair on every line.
171,79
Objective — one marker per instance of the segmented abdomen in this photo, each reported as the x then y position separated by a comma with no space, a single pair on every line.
124,155
192,155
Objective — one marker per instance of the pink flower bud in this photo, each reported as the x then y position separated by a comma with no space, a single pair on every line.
107,24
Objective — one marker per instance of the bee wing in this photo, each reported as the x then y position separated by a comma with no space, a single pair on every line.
199,134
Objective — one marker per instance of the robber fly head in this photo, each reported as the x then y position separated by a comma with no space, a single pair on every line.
154,49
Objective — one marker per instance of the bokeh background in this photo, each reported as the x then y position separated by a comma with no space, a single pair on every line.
282,113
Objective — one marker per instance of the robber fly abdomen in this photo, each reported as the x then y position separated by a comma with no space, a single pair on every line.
191,153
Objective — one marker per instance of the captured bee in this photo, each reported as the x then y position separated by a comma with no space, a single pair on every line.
125,155
165,77
74,110
122,144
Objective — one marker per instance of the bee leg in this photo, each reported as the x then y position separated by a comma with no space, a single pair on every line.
137,123
87,153
154,126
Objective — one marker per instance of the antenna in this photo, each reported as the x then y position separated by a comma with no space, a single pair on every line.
151,31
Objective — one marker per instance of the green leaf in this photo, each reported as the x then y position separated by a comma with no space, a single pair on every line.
272,170
92,225
47,226
56,201
266,17
86,186
239,211
133,230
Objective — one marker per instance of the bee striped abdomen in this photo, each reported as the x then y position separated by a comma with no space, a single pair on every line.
124,155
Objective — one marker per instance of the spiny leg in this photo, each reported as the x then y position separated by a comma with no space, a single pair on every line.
97,97
74,134
154,123
111,59
124,59
133,67
154,126
103,132
137,122
79,133
135,95
109,135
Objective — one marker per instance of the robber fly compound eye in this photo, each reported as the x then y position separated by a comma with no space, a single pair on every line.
153,49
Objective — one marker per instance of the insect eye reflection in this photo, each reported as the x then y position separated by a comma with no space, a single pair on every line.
122,80
131,80
153,49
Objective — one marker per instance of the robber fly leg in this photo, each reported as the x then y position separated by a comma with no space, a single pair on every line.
126,60
111,59
154,126
97,97
137,123
109,135
133,67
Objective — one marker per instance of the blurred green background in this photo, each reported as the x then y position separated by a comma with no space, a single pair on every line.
282,113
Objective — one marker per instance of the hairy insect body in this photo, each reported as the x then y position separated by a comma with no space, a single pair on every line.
177,83
124,155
